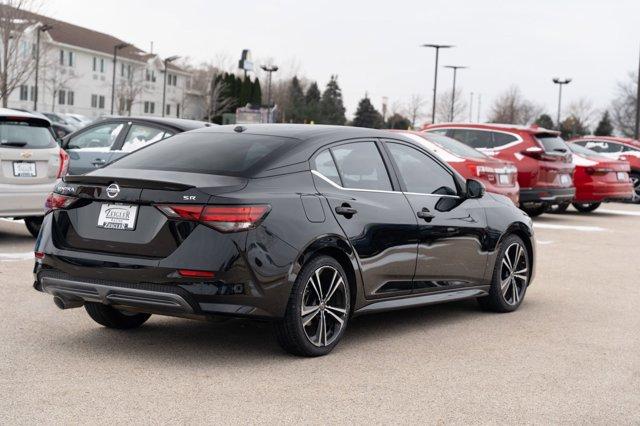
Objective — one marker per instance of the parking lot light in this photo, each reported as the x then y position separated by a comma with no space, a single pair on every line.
270,69
435,76
113,82
164,84
560,83
455,69
41,29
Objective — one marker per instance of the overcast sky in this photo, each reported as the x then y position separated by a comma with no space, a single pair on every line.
373,46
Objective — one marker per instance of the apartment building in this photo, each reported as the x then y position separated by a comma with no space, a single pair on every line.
76,75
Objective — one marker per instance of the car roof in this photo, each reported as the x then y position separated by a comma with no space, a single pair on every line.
533,129
36,117
181,124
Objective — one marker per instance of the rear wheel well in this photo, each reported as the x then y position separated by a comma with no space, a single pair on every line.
345,262
526,238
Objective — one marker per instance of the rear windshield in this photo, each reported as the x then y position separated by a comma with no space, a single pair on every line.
552,142
453,146
20,134
581,150
205,152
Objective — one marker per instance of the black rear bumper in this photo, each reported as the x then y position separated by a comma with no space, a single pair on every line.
547,195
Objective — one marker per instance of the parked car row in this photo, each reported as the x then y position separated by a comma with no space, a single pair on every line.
34,154
552,173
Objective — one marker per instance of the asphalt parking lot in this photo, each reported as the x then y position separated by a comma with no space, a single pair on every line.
571,354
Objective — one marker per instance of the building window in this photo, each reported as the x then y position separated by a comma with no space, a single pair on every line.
101,102
32,93
128,71
95,64
24,95
70,97
168,110
94,101
149,107
122,69
61,57
62,96
70,58
101,64
178,110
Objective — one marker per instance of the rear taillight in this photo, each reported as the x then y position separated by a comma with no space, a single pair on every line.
598,170
193,273
64,164
224,218
58,201
493,174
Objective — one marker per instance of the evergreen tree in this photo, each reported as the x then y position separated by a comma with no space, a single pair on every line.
296,99
312,103
572,127
398,121
331,106
244,97
256,93
544,120
367,115
605,127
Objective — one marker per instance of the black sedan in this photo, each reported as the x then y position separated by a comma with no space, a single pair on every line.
108,139
303,225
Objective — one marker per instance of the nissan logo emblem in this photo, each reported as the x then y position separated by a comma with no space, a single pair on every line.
113,190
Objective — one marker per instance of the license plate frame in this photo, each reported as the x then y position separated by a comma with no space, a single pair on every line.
24,169
565,180
117,216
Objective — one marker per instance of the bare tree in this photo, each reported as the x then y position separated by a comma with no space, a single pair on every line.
512,108
623,107
58,78
129,89
414,109
16,22
443,107
583,111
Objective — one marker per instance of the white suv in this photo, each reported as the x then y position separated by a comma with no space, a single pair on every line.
31,162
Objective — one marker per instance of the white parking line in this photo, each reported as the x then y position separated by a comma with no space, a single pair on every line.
544,242
620,212
4,219
568,227
16,256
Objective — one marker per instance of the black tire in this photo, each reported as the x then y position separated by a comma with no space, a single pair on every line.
559,208
635,179
112,318
33,224
290,331
586,207
535,211
497,301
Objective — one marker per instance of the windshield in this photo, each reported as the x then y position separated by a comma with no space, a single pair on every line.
21,134
581,150
453,146
552,142
207,152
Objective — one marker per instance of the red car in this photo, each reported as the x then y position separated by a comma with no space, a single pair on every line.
543,160
620,149
499,177
598,179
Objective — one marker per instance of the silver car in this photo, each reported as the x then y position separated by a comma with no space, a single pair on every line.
31,162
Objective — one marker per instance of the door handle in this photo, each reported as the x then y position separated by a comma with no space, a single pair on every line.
426,215
346,210
98,162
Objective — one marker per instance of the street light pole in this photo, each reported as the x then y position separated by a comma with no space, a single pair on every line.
40,29
637,130
560,83
455,69
164,84
270,69
113,82
435,76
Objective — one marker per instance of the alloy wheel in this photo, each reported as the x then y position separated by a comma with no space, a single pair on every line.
514,273
324,306
635,180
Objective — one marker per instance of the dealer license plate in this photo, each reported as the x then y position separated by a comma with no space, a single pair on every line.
24,169
118,216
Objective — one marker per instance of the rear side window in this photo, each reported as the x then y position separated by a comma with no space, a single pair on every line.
602,146
473,138
205,152
19,134
500,139
324,164
552,143
453,146
361,167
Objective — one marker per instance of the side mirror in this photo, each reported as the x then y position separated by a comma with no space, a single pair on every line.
475,189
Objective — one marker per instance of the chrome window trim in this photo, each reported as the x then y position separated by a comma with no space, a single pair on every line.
484,150
335,185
